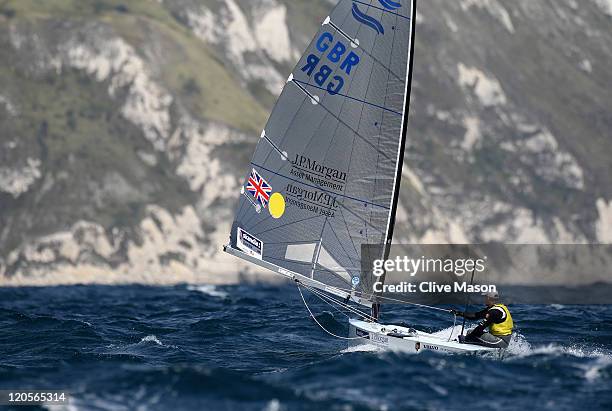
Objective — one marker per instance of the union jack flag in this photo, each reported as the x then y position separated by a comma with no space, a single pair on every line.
259,188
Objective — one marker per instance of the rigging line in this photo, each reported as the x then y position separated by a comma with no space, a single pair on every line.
283,259
354,214
320,188
362,294
307,265
285,225
333,273
340,303
413,304
350,97
252,216
331,23
314,291
467,302
296,242
365,140
316,255
295,115
325,297
320,325
334,307
349,232
347,255
322,295
343,304
453,329
267,217
360,314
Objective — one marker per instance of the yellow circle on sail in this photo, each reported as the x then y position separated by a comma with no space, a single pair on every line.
277,205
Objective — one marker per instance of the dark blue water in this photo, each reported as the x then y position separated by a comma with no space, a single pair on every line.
255,348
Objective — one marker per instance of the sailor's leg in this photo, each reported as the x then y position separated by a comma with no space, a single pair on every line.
492,341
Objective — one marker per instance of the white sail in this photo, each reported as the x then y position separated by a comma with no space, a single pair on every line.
325,176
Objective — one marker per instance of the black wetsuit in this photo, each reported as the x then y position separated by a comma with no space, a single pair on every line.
494,317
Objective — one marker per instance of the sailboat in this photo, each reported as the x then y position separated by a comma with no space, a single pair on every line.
325,176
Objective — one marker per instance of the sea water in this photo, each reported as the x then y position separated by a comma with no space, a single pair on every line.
255,348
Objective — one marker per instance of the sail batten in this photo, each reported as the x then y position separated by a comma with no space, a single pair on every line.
356,42
324,179
350,97
314,97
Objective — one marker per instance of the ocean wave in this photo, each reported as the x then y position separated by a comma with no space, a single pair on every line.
519,348
599,369
151,338
209,290
361,348
258,349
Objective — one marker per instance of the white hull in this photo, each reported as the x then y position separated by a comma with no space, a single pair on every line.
407,340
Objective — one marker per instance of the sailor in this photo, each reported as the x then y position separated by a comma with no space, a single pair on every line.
496,317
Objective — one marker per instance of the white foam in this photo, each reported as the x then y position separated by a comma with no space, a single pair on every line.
362,348
521,348
151,338
273,405
209,290
592,372
519,345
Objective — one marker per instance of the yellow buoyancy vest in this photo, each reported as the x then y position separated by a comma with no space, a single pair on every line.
506,326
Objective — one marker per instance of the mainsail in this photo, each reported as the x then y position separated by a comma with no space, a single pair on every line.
325,176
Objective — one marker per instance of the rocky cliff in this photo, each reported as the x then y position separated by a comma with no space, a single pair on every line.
127,127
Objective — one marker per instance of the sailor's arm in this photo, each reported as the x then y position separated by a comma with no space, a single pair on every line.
490,317
480,329
479,315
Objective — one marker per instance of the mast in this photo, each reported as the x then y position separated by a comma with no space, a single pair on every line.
376,309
